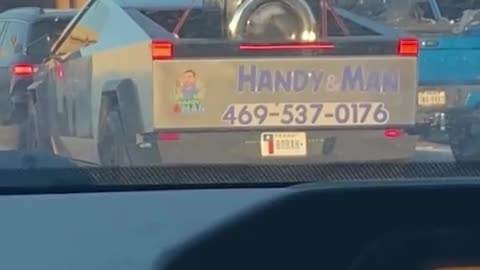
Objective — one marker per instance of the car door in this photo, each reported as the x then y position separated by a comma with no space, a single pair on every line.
4,74
4,70
60,84
11,51
73,91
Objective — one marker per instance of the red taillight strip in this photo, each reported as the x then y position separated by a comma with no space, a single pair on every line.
279,47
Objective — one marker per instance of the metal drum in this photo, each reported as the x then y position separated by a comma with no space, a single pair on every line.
272,21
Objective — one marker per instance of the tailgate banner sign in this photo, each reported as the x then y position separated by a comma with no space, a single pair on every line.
280,92
353,78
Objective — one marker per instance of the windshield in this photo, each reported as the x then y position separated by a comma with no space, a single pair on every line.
182,92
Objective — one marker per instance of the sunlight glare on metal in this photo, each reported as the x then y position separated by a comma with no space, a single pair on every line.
308,36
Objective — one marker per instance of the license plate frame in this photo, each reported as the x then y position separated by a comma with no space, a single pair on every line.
432,98
283,144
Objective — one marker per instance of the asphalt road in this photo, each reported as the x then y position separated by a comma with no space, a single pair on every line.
426,151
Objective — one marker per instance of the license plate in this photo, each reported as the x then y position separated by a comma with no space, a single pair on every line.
431,98
283,144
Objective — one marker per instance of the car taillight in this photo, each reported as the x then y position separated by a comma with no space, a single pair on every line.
408,47
287,46
169,136
59,71
392,133
162,50
22,70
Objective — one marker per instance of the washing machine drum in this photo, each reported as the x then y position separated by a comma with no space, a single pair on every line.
273,21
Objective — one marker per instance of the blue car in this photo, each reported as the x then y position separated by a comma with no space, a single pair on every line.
448,98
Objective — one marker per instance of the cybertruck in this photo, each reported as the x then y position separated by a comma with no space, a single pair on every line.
147,82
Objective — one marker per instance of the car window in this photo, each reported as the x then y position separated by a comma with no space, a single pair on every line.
2,25
354,29
2,35
51,27
199,24
453,9
425,10
14,38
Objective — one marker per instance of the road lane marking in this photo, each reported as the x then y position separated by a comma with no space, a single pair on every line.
445,149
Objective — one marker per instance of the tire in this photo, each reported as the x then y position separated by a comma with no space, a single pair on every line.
18,113
26,140
435,136
18,105
464,137
112,143
32,134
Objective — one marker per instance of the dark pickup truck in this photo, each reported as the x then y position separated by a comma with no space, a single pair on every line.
25,37
448,98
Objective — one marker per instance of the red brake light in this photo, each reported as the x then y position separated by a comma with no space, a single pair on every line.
162,50
392,133
408,47
22,70
169,136
286,46
59,71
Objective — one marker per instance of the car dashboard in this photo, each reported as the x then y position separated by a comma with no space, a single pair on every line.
394,226
419,225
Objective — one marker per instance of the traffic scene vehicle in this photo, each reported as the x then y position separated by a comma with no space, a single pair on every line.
449,83
223,82
25,36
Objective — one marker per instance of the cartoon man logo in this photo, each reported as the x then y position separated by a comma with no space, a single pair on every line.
188,85
188,97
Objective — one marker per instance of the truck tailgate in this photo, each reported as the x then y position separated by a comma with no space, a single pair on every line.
313,92
449,60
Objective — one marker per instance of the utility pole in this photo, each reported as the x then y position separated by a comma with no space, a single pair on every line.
63,4
78,3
